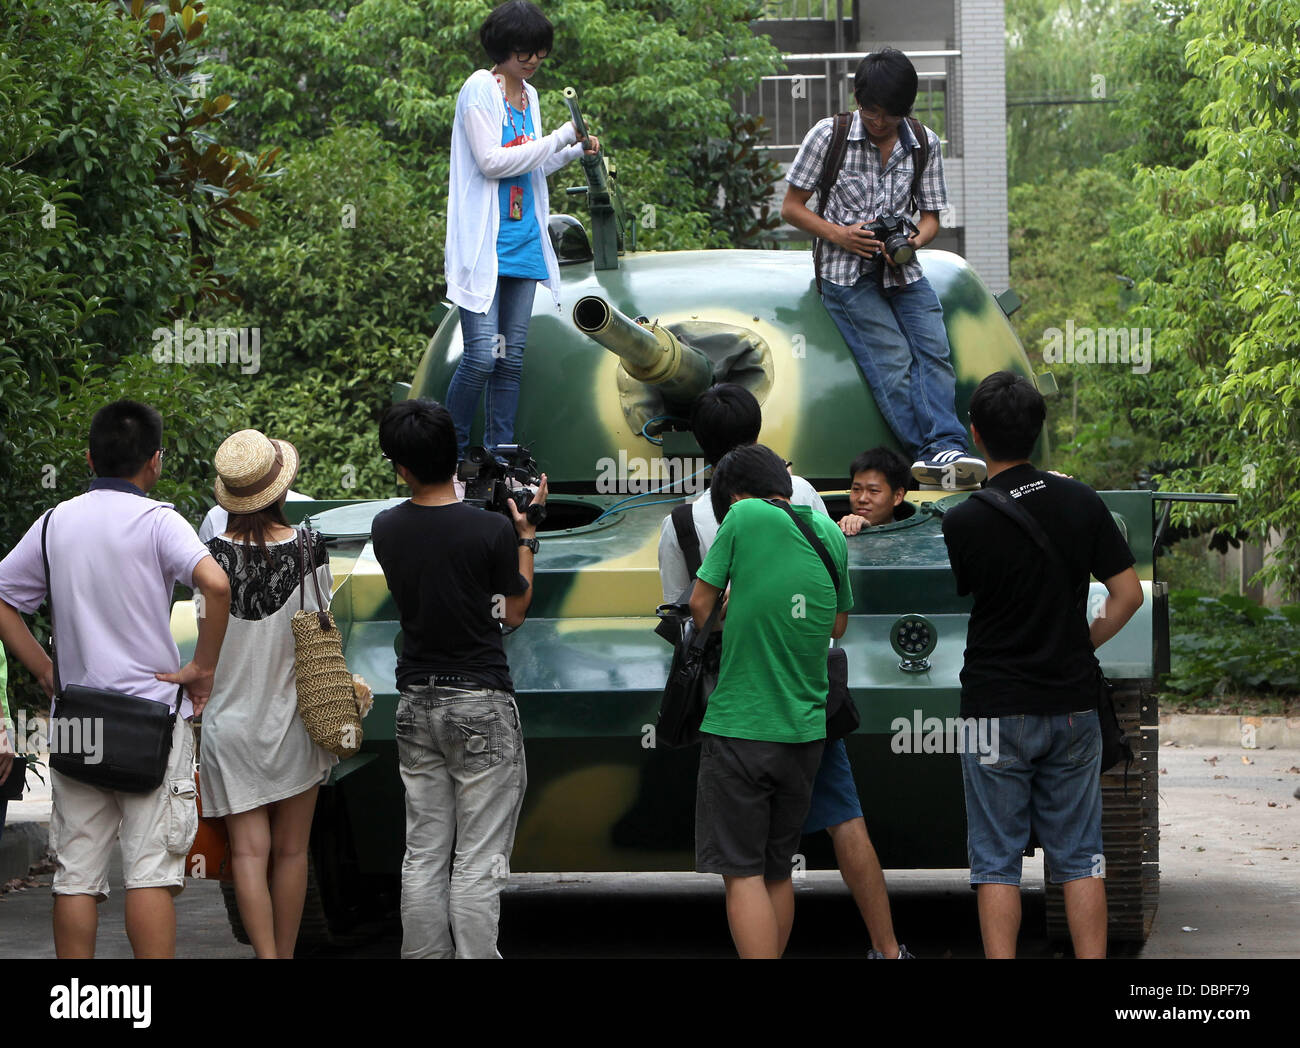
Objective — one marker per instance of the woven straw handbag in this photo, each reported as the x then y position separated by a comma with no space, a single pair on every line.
326,701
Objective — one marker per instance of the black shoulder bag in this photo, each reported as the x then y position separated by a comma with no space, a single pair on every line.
134,734
842,716
697,658
1114,743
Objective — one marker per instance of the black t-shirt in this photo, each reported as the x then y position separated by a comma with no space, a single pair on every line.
449,569
1027,646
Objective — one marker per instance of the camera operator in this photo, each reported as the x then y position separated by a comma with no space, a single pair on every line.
887,311
456,573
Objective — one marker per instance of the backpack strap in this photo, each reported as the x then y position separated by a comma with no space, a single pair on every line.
920,158
839,144
687,538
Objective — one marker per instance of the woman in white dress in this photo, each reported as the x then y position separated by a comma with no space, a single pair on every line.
258,766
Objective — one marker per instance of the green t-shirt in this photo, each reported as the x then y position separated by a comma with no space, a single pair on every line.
772,685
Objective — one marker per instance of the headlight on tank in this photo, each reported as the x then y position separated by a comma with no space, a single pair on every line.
913,638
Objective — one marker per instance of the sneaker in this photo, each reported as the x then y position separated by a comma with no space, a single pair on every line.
903,955
952,470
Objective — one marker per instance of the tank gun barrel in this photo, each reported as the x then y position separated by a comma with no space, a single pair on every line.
649,353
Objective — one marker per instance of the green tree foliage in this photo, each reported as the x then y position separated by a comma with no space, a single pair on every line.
1072,192
655,79
1213,251
1062,79
112,195
339,280
1067,282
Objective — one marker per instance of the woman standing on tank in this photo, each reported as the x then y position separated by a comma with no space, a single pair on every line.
258,766
497,241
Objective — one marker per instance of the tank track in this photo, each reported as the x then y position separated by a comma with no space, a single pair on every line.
1130,829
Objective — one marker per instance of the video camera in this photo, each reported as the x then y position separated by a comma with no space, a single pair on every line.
511,474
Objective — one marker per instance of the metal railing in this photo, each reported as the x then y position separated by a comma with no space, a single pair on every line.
792,102
806,10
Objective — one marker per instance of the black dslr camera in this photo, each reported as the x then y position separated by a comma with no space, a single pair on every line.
512,474
893,231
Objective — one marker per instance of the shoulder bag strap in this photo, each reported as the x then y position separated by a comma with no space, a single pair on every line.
813,540
305,568
49,596
687,537
702,634
830,172
1003,502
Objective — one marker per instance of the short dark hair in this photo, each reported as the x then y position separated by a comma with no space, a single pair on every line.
749,470
515,26
420,435
1008,411
725,416
886,79
124,436
886,461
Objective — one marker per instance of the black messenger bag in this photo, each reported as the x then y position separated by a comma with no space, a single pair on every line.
106,738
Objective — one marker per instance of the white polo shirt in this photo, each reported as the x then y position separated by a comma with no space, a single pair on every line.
115,555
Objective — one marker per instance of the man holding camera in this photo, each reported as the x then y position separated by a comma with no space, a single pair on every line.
872,285
456,573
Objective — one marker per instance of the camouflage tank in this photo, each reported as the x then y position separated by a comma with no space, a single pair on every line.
603,405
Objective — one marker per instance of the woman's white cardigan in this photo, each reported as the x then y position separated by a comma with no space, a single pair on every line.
478,162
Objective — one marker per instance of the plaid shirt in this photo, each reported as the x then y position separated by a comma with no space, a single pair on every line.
863,192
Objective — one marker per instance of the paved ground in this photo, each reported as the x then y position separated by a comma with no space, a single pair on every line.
1230,862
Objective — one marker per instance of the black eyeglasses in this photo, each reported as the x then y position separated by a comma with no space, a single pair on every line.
524,56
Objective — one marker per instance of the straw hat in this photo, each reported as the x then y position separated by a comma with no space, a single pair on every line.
253,471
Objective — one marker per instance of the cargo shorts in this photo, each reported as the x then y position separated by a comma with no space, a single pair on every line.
156,829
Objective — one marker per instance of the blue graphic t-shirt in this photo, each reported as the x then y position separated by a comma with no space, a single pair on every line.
519,246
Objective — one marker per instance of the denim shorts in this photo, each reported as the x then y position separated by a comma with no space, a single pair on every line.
835,794
1046,780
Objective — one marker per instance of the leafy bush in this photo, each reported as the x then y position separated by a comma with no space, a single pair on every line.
1231,645
340,279
112,194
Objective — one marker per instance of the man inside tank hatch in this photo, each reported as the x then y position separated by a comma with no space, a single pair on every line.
878,484
887,167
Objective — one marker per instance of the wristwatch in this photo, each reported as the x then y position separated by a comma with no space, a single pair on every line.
532,544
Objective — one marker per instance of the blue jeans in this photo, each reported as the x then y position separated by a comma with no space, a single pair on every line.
461,757
493,357
902,347
1046,778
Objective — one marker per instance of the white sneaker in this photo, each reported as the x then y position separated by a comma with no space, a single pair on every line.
952,470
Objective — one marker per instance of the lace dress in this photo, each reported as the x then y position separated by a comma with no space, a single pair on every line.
254,748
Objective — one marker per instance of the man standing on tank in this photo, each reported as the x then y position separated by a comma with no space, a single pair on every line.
889,315
1030,667
456,573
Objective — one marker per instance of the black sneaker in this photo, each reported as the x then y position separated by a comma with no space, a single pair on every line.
952,470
